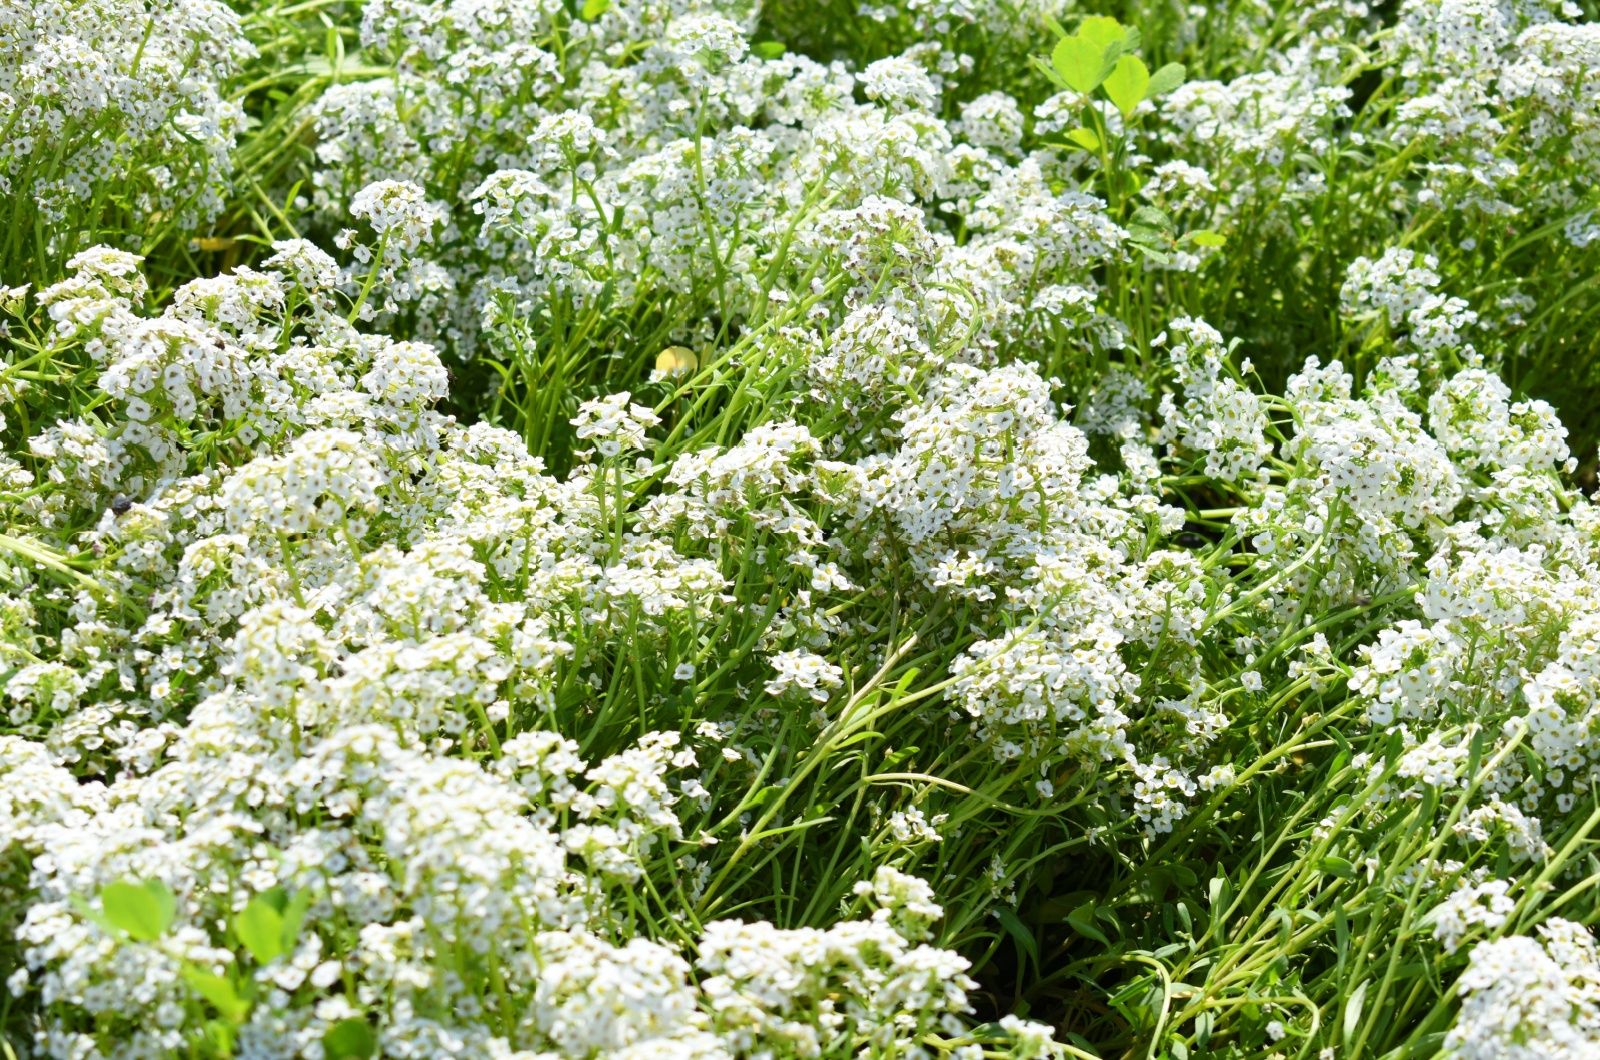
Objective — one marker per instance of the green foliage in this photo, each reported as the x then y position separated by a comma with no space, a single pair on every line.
142,911
349,1039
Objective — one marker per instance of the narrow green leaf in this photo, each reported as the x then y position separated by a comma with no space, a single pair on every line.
1049,71
1164,80
1159,256
1019,932
1220,895
1125,85
260,927
1082,921
294,915
143,910
349,1038
1352,1013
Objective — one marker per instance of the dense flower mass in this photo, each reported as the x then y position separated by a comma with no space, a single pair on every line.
718,528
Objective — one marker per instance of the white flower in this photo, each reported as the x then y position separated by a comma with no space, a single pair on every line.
614,423
806,671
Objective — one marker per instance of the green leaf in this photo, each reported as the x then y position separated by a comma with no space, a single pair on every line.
762,796
1205,237
294,916
1164,80
1077,62
1153,217
593,9
1105,32
143,910
1082,921
1019,932
217,990
1049,71
1334,865
90,913
349,1038
1145,236
1126,83
1158,256
768,49
215,1039
1217,892
1084,60
1352,1013
1084,138
260,927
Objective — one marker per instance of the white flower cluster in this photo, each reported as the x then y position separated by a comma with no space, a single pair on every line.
335,609
1219,417
97,92
1525,998
955,534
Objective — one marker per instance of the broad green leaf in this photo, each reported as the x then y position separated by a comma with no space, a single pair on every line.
217,990
593,9
260,927
349,1038
1334,865
1145,236
1085,138
1080,62
1205,237
143,910
1126,83
1164,80
1154,218
1105,31
768,49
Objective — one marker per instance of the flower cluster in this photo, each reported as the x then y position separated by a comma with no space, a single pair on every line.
109,91
535,528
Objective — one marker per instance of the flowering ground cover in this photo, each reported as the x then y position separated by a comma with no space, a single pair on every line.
702,528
